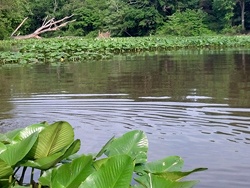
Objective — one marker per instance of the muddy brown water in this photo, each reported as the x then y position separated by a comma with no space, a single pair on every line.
195,104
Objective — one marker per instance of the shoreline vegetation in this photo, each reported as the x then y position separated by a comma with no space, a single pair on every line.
76,49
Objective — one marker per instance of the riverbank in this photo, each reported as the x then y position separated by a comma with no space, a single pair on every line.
70,49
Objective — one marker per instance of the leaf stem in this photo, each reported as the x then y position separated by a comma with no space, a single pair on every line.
31,177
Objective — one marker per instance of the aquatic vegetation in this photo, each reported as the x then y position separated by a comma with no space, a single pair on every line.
81,49
52,149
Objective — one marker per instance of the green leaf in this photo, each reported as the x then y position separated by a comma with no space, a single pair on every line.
115,173
52,139
46,178
6,169
73,174
133,143
11,134
27,131
19,134
171,163
4,139
154,181
99,163
177,175
104,148
45,163
16,152
72,149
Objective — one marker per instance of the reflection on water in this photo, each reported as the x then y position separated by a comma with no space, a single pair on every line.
192,104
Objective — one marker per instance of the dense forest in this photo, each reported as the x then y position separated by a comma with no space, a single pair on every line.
128,17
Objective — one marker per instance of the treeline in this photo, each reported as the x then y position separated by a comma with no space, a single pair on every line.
128,17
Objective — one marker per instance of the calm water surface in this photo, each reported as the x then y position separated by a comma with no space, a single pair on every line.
195,104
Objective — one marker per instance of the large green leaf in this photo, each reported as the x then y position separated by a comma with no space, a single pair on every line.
27,131
115,173
133,143
16,152
72,149
74,173
104,148
11,134
19,134
5,169
52,139
47,162
154,181
171,163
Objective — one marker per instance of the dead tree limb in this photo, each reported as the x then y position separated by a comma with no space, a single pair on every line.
48,25
19,26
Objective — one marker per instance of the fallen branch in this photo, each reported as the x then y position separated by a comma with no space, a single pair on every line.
48,25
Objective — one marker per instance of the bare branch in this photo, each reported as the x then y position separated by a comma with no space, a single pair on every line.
44,20
48,25
19,26
54,28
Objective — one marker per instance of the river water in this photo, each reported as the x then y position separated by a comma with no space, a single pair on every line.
195,104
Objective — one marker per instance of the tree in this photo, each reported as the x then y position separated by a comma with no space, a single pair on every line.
242,6
186,23
133,18
223,11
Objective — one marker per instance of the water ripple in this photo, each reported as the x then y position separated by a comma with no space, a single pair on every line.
156,117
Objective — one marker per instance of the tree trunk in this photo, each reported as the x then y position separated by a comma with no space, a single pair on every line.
242,6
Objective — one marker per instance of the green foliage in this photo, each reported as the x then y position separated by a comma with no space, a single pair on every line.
11,14
186,23
132,142
79,169
50,148
65,50
87,20
223,10
123,18
3,31
115,172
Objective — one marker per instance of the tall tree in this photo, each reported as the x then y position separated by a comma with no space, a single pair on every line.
242,6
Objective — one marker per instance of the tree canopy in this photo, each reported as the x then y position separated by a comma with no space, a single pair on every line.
128,17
